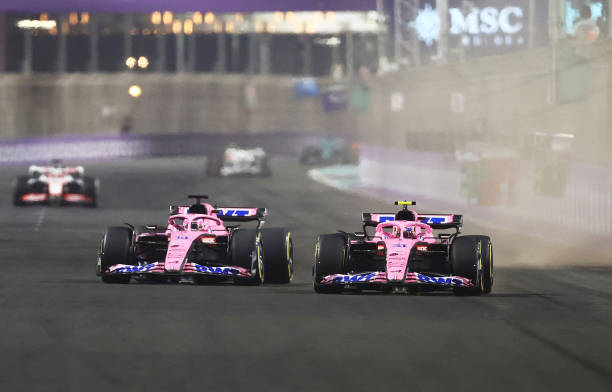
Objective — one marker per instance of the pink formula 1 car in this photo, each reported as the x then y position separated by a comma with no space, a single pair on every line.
404,255
197,247
56,184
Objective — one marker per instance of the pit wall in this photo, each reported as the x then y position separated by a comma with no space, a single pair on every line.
513,94
86,104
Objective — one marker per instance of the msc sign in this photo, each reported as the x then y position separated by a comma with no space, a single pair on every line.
489,20
491,25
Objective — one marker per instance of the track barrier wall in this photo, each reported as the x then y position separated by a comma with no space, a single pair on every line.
77,148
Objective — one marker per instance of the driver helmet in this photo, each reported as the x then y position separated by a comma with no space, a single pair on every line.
396,231
409,233
200,224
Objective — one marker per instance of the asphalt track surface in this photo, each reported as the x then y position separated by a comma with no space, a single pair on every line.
61,329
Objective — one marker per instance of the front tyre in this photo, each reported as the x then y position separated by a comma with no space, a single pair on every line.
91,190
472,258
278,251
247,252
487,263
20,189
330,253
116,248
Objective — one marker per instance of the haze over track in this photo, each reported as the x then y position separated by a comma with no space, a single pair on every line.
63,329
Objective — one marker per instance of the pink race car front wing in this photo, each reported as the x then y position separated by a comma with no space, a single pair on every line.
380,278
188,269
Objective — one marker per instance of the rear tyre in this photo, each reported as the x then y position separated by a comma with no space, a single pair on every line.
116,248
278,250
265,168
92,186
468,260
21,188
213,167
247,253
330,252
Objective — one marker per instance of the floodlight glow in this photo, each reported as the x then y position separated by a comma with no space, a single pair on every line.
143,62
167,17
130,62
156,18
188,26
177,27
27,24
209,17
135,91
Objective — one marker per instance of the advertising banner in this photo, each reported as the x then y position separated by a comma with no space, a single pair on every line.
483,27
588,18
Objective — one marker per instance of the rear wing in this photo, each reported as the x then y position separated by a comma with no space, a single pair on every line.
436,221
241,214
374,218
442,221
228,214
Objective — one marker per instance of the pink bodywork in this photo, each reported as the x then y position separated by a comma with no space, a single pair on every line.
398,251
181,235
398,248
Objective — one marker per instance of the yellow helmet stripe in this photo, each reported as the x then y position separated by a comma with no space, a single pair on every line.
405,203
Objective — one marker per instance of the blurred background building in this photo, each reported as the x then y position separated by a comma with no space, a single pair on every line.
430,70
239,37
280,37
435,70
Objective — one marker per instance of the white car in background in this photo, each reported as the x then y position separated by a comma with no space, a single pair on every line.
56,184
237,161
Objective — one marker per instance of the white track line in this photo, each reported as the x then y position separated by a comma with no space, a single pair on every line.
41,218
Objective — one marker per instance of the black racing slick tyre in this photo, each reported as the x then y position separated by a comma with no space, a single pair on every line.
91,190
247,252
486,247
213,167
265,168
330,253
20,189
472,258
278,255
116,248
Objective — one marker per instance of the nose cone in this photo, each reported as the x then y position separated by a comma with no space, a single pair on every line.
397,263
55,188
180,243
